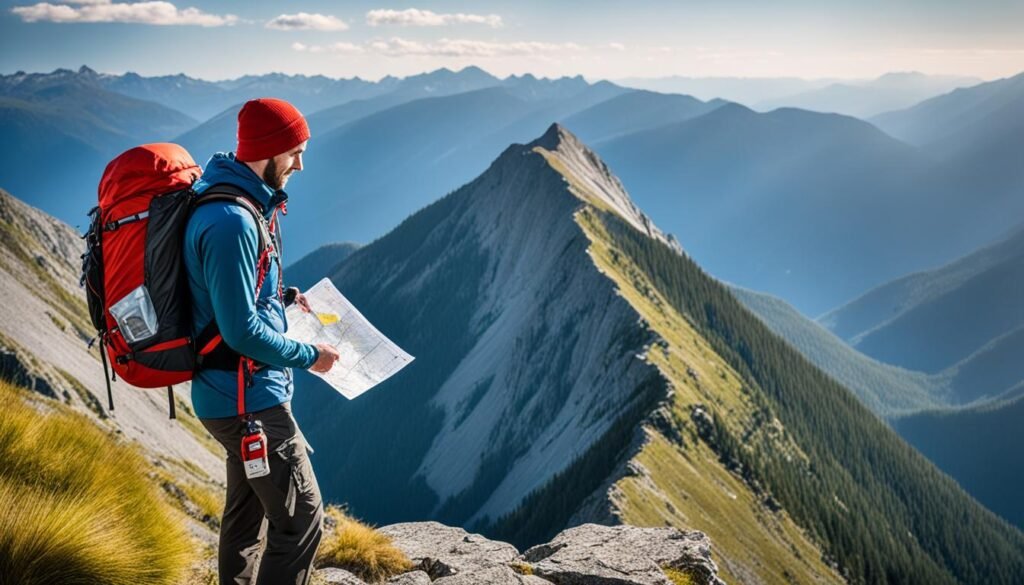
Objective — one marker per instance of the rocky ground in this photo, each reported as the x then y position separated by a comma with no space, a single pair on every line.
584,555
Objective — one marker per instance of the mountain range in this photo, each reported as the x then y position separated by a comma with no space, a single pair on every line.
863,99
591,371
805,189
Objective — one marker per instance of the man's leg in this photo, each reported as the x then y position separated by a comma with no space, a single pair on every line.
289,498
239,545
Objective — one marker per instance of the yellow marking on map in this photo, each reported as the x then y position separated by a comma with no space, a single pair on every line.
328,318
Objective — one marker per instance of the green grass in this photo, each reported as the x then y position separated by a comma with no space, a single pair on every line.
78,507
688,486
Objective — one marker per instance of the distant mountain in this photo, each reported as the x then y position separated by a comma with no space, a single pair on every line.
979,128
203,99
218,134
976,446
744,90
941,118
933,320
805,206
866,98
309,269
370,173
60,130
887,390
573,365
635,111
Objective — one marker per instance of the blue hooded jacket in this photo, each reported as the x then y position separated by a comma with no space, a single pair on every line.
220,250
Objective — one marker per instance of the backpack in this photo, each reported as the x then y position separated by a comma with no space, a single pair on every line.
134,273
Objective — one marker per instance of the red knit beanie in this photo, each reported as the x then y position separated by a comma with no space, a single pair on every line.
267,127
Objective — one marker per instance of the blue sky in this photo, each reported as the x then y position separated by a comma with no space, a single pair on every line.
218,39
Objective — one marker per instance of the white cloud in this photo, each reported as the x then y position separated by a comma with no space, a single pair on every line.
339,48
307,21
155,13
398,47
417,17
617,46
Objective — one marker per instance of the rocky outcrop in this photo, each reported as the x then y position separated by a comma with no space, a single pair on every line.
594,554
584,555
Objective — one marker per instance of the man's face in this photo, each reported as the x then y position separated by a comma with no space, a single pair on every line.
280,168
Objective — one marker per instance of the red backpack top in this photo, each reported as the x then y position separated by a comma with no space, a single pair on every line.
134,272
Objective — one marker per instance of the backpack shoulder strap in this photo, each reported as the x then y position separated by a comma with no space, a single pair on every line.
232,194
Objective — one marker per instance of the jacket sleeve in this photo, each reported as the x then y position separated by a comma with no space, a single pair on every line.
228,249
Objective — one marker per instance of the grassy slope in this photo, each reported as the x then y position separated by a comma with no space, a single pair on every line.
875,505
886,390
80,509
687,485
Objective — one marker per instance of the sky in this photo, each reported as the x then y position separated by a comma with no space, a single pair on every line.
222,39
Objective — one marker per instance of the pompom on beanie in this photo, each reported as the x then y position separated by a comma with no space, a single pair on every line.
267,127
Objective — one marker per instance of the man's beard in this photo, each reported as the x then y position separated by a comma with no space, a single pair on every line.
272,176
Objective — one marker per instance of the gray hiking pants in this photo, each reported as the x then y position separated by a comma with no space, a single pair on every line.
282,510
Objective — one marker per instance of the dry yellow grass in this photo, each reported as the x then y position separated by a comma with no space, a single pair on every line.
360,549
76,506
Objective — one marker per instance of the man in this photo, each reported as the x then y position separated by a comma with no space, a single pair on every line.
221,249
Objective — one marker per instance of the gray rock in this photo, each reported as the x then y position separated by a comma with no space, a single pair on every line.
622,555
443,551
493,575
336,576
412,578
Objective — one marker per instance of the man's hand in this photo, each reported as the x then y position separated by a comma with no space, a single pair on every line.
300,299
328,355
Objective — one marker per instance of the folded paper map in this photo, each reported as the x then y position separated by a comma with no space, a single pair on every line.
367,356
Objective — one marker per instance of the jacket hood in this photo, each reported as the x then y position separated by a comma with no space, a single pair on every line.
223,168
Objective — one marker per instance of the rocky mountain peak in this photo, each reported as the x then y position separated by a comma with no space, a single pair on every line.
591,180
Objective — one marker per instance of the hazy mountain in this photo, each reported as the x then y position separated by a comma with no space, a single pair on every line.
309,269
218,134
634,111
977,131
369,174
526,87
976,447
926,410
866,98
805,206
932,320
203,99
591,371
887,390
960,111
745,90
60,129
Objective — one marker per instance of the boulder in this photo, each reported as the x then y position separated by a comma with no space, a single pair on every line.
336,576
411,578
623,555
444,551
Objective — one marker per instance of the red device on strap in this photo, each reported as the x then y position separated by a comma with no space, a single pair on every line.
254,450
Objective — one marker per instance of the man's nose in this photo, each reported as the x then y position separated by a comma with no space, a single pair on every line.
298,163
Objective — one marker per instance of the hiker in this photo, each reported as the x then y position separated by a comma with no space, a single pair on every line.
247,378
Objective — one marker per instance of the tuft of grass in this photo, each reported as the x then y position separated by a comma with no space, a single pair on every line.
521,568
359,549
77,505
678,576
